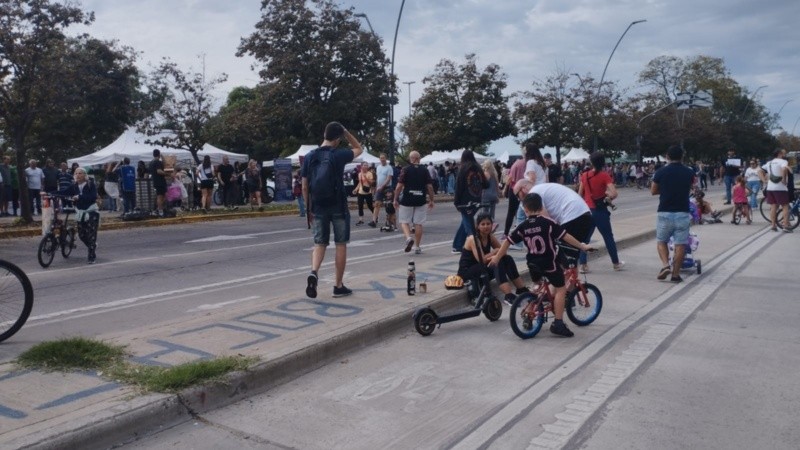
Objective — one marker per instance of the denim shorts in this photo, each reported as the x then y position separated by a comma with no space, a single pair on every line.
675,225
322,228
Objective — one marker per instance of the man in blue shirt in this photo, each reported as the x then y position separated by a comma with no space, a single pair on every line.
336,213
127,178
672,184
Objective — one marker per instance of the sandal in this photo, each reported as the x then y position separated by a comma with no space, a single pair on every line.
665,271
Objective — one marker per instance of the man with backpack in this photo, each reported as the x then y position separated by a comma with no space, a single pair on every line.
326,200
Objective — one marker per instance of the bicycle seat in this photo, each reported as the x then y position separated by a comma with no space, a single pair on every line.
68,210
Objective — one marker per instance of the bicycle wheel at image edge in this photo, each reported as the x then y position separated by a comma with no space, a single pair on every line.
525,317
217,197
69,243
794,218
47,250
16,299
583,308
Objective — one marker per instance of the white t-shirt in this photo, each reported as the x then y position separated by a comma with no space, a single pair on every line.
533,166
562,203
775,168
751,174
383,173
35,177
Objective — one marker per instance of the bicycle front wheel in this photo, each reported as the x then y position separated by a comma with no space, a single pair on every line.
68,243
217,197
764,208
47,250
583,306
526,316
16,299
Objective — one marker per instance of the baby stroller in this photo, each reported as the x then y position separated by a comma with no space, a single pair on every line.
689,261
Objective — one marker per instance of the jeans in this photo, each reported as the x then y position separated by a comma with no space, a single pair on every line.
754,186
513,205
466,228
301,204
36,200
128,201
602,222
728,185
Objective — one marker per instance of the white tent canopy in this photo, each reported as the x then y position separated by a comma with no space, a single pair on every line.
132,145
503,157
304,149
440,157
576,155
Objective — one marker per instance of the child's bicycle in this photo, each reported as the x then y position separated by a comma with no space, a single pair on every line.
531,309
58,235
16,299
739,214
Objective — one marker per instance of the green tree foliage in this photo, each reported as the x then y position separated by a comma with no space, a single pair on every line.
460,107
316,65
57,92
239,125
186,101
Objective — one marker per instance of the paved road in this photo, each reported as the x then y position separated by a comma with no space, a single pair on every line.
705,364
146,275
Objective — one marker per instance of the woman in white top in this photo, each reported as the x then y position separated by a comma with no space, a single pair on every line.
535,168
775,174
752,177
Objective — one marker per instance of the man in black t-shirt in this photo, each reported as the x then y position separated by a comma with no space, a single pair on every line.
414,183
732,167
226,178
553,171
157,174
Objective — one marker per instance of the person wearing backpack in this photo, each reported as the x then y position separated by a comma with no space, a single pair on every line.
326,201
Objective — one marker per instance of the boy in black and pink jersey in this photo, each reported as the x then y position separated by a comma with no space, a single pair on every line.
540,234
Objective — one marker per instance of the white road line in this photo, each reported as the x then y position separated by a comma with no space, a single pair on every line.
584,405
208,307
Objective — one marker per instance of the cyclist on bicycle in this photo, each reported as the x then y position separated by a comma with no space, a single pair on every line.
540,233
84,195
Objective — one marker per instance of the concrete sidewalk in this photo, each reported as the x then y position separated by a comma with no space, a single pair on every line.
290,336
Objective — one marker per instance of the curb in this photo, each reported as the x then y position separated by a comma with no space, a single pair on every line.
145,415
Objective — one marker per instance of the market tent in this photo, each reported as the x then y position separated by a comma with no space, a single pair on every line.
503,157
577,155
302,151
440,157
133,145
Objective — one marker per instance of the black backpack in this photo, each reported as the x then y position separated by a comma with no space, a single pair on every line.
322,178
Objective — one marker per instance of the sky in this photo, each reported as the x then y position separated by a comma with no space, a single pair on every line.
529,39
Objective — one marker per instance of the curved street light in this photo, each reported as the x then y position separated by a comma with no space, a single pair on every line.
795,124
603,76
784,105
391,75
749,99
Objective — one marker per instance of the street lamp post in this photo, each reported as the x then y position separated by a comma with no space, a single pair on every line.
795,124
603,76
409,83
391,75
750,99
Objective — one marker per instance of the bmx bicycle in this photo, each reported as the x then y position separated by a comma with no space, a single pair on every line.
16,299
426,319
531,310
59,234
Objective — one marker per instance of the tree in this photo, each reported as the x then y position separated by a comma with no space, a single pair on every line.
460,107
185,108
240,124
556,114
317,65
32,47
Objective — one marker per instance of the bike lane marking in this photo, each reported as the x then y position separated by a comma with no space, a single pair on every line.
666,321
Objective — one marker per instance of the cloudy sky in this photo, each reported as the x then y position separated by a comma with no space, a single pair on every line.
529,39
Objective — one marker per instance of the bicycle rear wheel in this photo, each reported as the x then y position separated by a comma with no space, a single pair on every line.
16,299
217,197
68,243
584,307
526,316
794,218
47,250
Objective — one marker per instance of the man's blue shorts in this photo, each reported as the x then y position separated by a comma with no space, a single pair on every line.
322,228
675,225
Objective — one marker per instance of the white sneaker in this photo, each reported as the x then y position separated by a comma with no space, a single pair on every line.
418,251
619,266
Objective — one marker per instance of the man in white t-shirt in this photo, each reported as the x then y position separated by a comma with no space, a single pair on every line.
383,173
566,208
775,174
34,177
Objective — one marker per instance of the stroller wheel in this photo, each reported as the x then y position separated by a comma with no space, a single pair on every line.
699,267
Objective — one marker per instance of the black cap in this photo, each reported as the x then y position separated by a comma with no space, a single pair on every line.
548,156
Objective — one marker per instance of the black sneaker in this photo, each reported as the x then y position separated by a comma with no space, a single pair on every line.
372,224
92,257
311,288
509,299
409,244
341,291
677,279
560,328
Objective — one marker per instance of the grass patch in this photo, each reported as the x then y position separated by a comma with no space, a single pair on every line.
170,379
72,353
109,361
